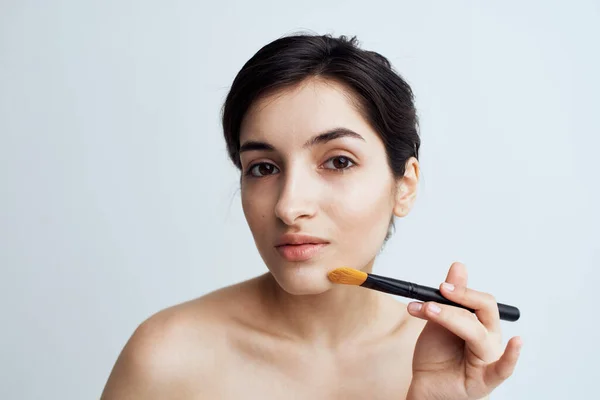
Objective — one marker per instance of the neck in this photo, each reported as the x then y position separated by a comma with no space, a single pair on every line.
343,313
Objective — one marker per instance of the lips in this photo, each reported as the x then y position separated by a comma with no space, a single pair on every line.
299,247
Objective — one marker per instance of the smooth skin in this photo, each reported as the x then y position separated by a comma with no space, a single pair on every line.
292,334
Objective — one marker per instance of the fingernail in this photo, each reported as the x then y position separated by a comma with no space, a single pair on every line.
434,308
415,307
448,286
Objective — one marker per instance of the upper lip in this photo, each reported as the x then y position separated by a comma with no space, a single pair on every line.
298,238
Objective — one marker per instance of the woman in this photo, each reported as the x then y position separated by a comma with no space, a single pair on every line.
325,136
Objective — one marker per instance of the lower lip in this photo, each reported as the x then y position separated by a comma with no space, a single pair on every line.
300,252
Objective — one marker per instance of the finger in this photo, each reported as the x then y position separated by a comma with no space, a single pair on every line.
460,322
457,274
484,304
497,372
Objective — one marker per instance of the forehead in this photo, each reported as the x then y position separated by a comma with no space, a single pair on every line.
300,111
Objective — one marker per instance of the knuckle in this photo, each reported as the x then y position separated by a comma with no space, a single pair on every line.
491,302
473,316
479,334
467,314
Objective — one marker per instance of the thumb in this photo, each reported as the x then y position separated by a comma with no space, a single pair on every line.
500,370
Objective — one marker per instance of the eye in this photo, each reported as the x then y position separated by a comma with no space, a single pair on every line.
339,163
262,169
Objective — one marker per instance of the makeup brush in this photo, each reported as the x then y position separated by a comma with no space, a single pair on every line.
350,276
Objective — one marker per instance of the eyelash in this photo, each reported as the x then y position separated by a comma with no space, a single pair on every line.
338,170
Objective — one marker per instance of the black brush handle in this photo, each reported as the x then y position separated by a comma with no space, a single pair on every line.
426,293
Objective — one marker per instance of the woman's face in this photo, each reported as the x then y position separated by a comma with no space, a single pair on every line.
317,190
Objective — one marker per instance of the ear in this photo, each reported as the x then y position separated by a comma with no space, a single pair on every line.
406,188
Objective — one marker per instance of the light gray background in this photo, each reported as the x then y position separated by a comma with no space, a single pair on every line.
117,198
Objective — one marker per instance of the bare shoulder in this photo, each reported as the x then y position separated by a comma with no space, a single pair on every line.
177,350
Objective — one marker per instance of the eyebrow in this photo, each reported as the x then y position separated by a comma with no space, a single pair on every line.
321,138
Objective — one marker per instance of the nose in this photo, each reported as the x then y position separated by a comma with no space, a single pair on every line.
297,197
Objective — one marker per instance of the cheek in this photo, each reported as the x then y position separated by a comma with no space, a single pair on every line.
254,208
362,207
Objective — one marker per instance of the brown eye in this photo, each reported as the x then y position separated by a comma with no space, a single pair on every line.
339,163
263,169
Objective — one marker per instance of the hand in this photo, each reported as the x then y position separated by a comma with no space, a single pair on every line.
458,355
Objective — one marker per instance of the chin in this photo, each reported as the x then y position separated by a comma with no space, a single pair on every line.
302,279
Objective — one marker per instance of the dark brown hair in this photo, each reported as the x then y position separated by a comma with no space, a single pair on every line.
385,99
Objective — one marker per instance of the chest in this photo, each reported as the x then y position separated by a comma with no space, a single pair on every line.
377,374
326,388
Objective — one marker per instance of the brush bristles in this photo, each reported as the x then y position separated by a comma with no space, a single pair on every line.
347,276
